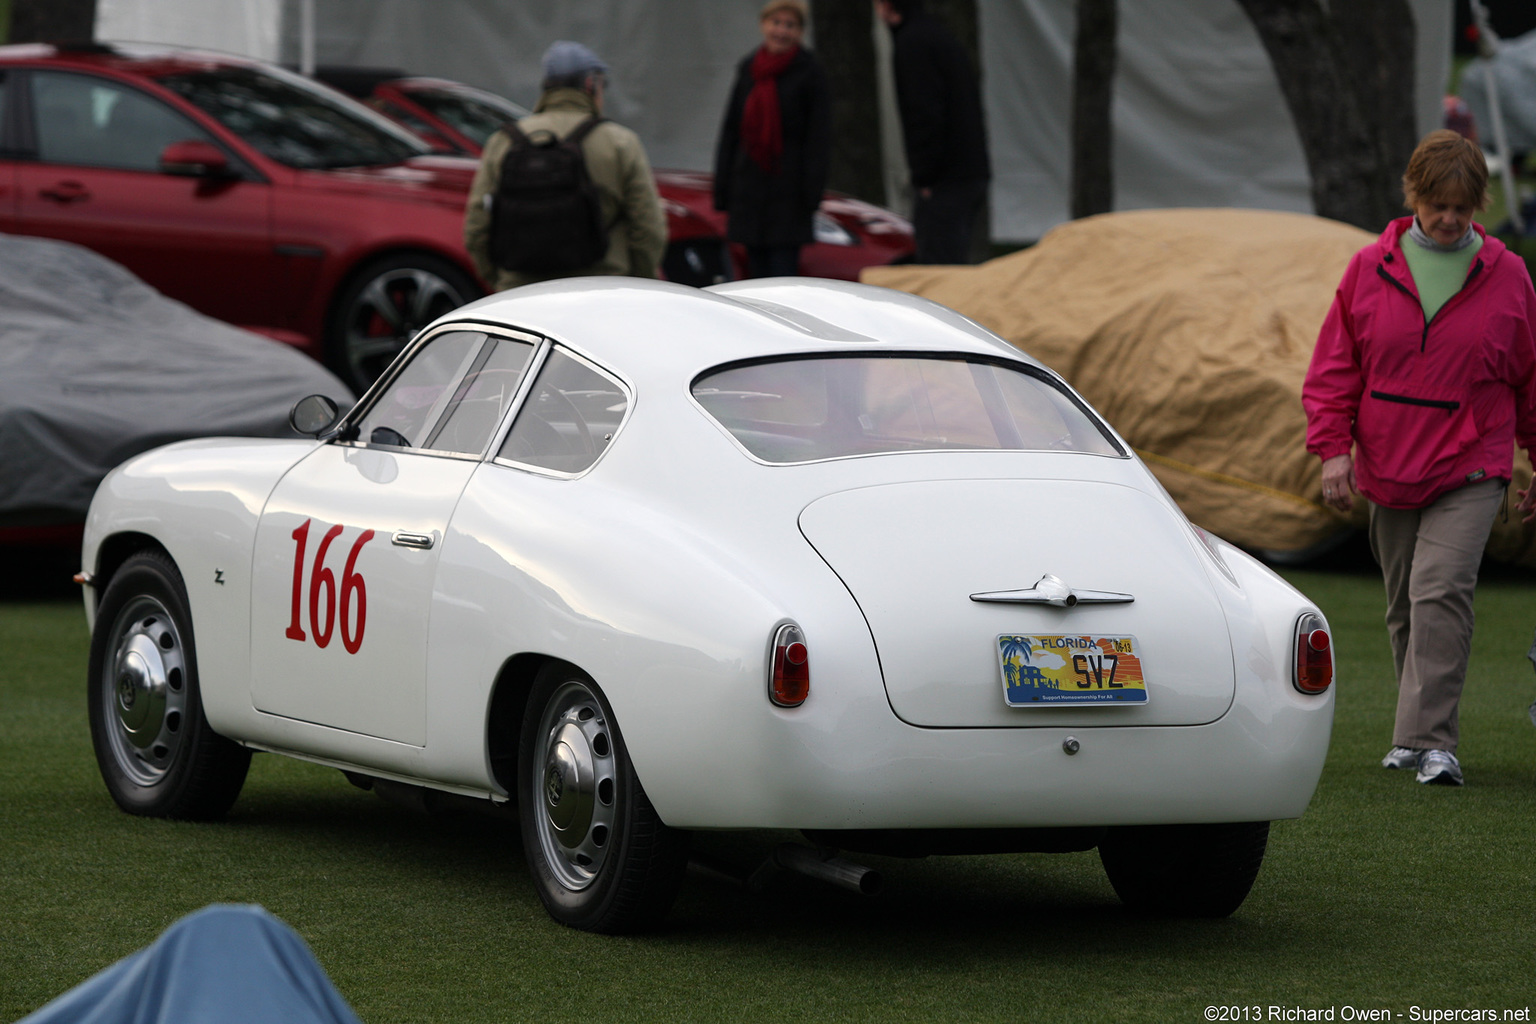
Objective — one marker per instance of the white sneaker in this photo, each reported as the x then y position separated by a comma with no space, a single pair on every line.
1439,768
1401,757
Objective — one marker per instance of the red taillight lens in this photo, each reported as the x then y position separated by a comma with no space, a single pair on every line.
789,678
1314,654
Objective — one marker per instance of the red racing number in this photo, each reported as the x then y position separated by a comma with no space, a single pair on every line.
322,591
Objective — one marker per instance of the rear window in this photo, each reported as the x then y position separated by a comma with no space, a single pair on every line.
806,409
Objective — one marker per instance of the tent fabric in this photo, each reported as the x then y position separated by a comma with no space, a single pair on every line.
1190,331
1514,74
236,964
1199,118
96,366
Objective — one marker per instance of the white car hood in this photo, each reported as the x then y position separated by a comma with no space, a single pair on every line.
911,554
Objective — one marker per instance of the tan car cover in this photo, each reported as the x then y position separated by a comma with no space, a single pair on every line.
1190,330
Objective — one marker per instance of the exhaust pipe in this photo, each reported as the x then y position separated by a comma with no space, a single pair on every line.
819,863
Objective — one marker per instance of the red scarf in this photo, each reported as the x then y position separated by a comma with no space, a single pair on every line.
762,130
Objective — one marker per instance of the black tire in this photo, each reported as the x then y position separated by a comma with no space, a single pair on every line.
155,749
600,857
382,307
1184,870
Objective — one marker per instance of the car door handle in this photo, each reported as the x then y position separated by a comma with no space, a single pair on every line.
406,539
66,192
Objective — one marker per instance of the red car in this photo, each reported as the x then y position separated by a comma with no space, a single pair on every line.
254,195
456,118
250,193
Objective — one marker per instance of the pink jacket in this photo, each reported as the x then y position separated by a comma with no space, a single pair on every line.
1427,406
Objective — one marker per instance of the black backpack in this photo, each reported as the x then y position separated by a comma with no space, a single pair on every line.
547,215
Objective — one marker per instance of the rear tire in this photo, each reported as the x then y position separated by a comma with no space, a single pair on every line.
1184,870
600,856
156,751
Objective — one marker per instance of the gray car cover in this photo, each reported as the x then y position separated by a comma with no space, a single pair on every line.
96,366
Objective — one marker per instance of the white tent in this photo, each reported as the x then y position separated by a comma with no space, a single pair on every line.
1199,120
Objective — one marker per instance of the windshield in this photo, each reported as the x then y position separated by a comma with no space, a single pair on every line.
806,409
472,116
292,121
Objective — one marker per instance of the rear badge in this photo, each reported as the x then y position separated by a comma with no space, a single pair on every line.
1074,669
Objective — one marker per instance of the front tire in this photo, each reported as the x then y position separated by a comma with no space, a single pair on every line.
383,306
600,856
156,751
1184,870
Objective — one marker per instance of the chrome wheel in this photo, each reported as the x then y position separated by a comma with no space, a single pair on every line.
600,856
574,796
385,306
156,751
145,686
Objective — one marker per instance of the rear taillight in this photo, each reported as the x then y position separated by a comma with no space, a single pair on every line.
789,677
1314,654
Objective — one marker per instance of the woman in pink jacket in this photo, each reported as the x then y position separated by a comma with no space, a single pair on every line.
1426,369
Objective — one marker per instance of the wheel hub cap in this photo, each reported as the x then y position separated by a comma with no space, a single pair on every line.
575,791
145,686
568,788
141,690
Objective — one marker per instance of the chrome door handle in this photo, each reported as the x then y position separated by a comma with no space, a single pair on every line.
406,539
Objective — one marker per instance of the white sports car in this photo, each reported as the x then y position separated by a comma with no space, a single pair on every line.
775,554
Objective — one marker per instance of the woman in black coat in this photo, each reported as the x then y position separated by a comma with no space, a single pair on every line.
771,160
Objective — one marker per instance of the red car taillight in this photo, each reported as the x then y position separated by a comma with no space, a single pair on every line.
1314,654
789,677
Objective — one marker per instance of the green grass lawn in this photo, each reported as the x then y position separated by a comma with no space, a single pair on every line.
1386,894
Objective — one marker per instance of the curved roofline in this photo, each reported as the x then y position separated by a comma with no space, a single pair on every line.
609,318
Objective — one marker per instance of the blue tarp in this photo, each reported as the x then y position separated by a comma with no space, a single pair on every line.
227,963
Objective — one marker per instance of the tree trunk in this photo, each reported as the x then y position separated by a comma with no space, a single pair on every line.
1093,89
845,46
1347,75
52,21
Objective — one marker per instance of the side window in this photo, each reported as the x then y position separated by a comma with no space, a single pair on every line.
451,395
569,417
93,122
3,105
417,398
480,399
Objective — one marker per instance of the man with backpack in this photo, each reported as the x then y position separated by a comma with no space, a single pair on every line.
564,192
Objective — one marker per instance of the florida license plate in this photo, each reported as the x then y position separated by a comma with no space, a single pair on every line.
1071,669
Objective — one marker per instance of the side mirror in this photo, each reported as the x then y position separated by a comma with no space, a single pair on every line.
314,415
193,158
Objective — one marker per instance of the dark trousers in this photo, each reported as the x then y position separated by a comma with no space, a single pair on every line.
773,260
942,220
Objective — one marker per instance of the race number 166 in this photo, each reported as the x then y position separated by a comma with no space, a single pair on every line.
323,592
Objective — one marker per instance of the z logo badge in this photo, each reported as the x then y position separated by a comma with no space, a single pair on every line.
218,576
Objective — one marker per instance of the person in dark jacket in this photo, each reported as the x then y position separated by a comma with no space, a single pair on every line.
943,131
775,144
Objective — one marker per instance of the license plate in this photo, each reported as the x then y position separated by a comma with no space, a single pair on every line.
1072,669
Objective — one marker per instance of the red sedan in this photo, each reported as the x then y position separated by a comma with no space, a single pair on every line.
263,198
456,118
252,194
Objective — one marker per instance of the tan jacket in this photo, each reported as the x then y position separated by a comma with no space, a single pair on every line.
616,163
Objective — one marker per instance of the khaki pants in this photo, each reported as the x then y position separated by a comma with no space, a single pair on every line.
1429,558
